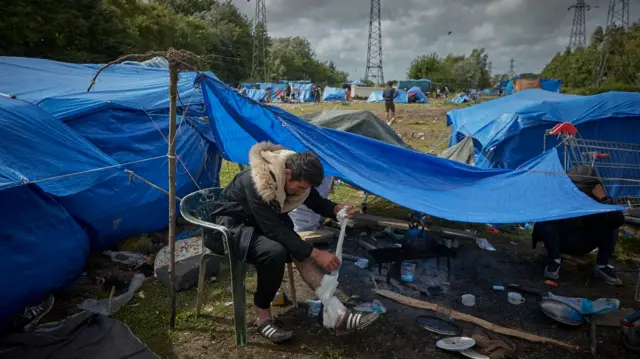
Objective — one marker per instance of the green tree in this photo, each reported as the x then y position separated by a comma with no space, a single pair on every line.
424,67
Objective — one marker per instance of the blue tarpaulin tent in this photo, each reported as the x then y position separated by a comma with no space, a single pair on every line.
551,85
536,191
257,95
54,128
423,84
403,96
509,131
359,83
334,94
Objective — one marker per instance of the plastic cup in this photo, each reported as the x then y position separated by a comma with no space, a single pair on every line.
515,298
468,300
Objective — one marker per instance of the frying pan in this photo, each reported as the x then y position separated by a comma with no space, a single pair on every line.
561,312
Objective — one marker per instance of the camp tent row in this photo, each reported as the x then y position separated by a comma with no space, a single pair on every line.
70,162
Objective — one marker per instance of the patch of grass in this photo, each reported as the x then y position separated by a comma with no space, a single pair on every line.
139,244
627,248
330,353
148,317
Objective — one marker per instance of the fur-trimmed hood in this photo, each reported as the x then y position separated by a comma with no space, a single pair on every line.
267,162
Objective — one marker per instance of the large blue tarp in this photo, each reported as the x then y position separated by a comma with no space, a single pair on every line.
537,191
65,150
334,94
509,131
420,96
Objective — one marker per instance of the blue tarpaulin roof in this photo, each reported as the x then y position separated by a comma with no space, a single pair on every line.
64,150
510,130
537,191
334,94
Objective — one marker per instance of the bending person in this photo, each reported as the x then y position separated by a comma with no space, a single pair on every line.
255,206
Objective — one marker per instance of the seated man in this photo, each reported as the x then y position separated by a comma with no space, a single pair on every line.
577,236
255,206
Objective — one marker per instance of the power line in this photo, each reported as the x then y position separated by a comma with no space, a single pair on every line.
374,71
617,16
578,38
259,66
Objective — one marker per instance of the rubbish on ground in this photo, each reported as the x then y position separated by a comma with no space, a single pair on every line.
630,332
468,300
470,353
408,272
438,325
586,306
523,289
497,347
280,299
141,294
314,307
228,304
550,283
514,243
112,305
350,257
188,254
455,344
561,312
471,319
498,287
374,306
515,298
483,243
362,263
128,258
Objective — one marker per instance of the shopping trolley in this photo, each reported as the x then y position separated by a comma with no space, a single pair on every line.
617,164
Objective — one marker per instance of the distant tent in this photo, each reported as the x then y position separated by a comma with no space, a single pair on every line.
460,99
359,83
334,94
553,85
403,96
424,84
486,92
363,123
257,95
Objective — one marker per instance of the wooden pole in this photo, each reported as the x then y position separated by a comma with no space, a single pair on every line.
471,319
173,94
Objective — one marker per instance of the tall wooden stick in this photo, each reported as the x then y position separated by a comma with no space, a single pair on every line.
173,94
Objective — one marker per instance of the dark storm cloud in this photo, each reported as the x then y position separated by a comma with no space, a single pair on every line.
531,31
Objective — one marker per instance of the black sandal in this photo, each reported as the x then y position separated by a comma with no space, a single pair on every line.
272,331
353,320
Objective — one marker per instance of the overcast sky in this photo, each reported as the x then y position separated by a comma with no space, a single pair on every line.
531,31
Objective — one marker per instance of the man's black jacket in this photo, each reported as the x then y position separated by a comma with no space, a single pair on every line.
246,214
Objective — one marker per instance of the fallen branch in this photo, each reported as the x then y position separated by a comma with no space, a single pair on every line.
471,319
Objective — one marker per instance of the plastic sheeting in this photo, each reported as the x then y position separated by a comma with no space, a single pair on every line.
551,85
537,191
363,123
510,130
257,95
376,96
334,94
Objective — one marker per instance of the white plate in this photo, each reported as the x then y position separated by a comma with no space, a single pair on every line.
455,344
470,353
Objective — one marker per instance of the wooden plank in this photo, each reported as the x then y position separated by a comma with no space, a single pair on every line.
381,221
320,235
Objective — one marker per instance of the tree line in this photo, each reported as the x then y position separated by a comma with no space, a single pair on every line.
579,69
98,31
460,72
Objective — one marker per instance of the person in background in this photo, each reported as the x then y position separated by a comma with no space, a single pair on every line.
348,93
389,94
446,92
412,97
267,95
255,207
319,93
581,235
287,92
